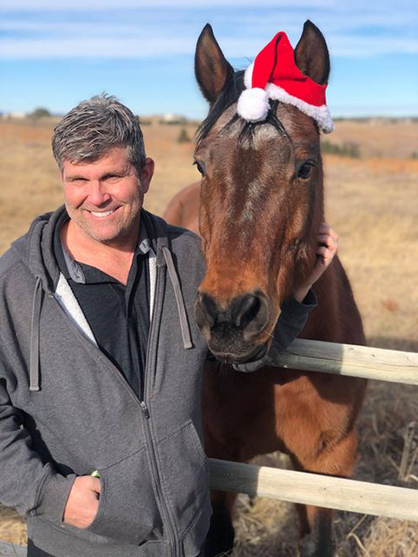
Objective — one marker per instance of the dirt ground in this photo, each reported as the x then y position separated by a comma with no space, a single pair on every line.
372,202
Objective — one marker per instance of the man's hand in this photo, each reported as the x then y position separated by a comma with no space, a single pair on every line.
327,248
83,502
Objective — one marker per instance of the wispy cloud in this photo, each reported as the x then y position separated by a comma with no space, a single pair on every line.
100,5
154,42
97,48
391,6
146,32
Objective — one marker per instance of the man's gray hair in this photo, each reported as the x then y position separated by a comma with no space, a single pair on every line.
93,127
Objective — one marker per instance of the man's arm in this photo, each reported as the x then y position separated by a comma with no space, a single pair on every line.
289,325
27,483
325,253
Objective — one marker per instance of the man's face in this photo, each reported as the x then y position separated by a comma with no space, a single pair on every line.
104,198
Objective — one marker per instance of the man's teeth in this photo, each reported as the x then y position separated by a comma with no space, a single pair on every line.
102,213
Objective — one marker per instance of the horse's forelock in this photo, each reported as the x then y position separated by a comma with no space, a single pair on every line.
229,96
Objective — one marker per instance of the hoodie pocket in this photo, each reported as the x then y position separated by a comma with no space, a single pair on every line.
127,509
185,473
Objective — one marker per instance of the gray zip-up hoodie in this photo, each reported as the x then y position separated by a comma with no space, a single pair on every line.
79,414
66,410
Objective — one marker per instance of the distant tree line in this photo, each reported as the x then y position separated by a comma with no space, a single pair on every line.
348,149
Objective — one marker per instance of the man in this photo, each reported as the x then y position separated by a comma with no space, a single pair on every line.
100,359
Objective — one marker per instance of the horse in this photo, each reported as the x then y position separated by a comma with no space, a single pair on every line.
261,201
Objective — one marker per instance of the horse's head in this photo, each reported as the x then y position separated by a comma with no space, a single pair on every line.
261,201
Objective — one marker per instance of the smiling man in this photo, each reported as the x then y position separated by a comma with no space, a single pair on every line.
101,361
103,199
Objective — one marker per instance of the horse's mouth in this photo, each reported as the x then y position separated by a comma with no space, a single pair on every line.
243,357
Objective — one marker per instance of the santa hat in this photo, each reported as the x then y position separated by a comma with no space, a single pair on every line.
275,75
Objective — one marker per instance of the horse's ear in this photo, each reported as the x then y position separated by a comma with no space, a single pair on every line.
211,67
311,54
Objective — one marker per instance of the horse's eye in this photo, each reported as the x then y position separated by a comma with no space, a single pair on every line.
200,166
305,170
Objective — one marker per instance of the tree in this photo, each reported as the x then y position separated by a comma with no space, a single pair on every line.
183,136
40,112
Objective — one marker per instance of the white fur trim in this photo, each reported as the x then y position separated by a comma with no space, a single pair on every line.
248,76
253,105
320,114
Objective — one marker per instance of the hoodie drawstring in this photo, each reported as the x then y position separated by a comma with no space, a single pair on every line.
36,314
184,324
34,337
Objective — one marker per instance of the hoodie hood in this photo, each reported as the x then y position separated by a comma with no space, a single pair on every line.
36,247
36,250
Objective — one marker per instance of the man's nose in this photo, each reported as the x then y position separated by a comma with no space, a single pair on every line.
98,194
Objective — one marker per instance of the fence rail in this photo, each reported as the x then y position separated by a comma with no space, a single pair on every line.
355,361
315,489
12,550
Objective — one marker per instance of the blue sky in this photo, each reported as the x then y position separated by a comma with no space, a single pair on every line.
54,53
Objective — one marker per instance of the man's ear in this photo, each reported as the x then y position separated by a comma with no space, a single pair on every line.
147,173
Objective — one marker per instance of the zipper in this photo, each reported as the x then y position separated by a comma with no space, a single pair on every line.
82,337
151,359
144,409
122,380
166,513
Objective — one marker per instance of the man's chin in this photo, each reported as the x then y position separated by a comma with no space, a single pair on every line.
101,237
103,233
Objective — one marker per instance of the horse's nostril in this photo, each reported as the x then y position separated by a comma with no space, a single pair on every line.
244,309
250,312
206,311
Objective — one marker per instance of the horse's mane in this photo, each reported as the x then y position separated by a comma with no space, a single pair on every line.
230,94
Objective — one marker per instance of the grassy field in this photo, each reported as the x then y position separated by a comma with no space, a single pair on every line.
372,203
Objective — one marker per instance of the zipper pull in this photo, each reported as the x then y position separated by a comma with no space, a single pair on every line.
144,409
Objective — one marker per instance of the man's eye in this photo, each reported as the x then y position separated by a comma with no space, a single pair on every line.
305,170
77,180
200,166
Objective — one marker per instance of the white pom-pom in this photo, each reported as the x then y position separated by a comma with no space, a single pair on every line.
253,104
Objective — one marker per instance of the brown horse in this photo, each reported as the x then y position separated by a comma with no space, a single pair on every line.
261,205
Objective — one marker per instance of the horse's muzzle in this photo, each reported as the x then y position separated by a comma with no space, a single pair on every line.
233,332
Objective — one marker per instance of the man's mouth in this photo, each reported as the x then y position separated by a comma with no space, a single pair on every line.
103,214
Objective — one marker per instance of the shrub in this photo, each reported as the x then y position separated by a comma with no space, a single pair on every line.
183,136
348,149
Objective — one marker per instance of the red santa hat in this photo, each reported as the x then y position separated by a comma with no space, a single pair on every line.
275,75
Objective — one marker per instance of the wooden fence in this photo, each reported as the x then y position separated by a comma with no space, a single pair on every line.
322,491
325,491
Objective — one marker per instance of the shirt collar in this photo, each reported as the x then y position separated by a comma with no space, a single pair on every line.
74,269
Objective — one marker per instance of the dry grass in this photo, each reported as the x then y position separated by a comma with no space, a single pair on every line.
372,203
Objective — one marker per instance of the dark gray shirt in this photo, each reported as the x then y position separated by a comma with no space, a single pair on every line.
118,315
